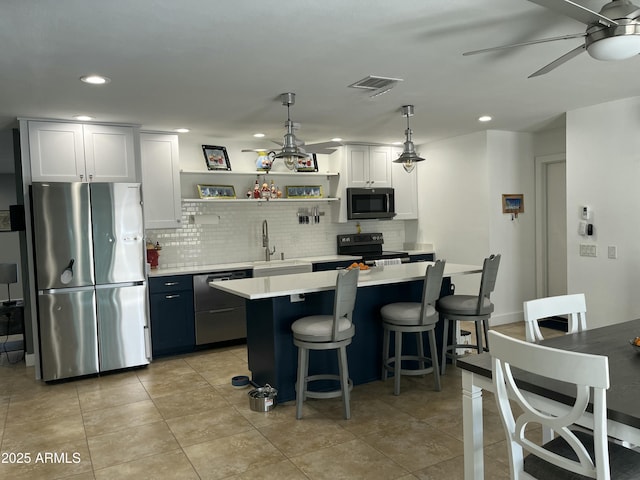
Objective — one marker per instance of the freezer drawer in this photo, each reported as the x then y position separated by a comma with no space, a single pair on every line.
220,325
68,334
122,324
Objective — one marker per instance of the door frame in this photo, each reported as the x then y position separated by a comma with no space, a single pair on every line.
541,163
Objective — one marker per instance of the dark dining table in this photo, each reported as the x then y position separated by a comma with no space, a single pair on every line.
623,395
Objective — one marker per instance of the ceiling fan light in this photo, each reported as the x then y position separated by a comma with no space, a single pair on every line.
615,48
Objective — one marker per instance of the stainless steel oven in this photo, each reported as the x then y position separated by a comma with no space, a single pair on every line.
220,316
365,203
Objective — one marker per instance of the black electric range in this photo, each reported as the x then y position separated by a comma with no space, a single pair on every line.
368,246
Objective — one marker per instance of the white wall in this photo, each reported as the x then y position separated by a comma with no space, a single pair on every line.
461,186
603,170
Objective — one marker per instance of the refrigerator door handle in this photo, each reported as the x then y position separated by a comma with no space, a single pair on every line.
123,284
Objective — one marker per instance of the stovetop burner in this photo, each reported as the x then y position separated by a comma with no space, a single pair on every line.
368,246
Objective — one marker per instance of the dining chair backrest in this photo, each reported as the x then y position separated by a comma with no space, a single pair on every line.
431,289
583,370
574,305
488,281
345,297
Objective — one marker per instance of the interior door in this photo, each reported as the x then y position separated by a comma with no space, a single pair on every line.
556,179
551,226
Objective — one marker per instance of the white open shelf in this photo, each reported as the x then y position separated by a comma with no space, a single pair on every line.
255,201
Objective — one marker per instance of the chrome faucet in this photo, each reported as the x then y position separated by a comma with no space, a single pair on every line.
265,241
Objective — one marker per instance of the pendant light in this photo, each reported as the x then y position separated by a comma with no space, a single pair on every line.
290,152
409,157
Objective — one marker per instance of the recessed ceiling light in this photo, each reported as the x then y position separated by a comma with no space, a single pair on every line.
83,118
181,130
336,139
258,135
484,118
95,79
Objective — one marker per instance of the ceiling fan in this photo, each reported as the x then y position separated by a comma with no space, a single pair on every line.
611,34
293,149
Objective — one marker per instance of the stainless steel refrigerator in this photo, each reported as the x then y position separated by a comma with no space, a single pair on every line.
90,276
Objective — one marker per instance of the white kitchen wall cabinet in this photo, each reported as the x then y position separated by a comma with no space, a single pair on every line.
405,187
73,152
159,159
367,165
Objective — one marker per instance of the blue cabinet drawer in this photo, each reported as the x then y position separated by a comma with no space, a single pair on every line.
170,284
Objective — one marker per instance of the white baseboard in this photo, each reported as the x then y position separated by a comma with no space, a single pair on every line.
506,318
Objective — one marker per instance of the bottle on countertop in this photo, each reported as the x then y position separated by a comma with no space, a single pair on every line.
256,190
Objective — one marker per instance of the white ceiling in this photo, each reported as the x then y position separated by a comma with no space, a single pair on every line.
218,67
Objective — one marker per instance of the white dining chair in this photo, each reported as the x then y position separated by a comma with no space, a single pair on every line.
572,451
574,306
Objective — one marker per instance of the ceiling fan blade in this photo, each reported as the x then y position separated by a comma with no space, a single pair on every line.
559,61
323,145
576,11
532,42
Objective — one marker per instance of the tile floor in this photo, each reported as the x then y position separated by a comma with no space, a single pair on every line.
180,418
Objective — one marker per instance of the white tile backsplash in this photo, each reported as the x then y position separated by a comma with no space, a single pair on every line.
237,235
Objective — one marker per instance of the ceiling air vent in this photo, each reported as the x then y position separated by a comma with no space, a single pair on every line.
375,84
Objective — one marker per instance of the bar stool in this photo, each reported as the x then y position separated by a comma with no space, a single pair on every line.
471,308
413,317
327,332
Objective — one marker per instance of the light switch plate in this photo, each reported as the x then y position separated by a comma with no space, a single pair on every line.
588,250
612,252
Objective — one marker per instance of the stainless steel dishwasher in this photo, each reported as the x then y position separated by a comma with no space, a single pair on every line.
219,316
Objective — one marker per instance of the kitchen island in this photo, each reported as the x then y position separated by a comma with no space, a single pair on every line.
274,303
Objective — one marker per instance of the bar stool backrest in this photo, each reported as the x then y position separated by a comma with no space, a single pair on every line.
431,288
345,297
488,282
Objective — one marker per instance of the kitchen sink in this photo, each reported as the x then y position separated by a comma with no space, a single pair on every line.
280,267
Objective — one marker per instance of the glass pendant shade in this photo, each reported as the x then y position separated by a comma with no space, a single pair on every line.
615,48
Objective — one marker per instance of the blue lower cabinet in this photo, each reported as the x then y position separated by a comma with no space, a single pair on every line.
322,267
172,315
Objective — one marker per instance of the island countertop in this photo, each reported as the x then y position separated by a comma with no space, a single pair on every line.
301,283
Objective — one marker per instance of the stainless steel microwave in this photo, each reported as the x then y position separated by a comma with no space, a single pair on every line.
364,203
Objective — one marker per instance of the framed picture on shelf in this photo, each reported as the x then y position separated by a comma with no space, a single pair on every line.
216,157
307,164
304,191
216,191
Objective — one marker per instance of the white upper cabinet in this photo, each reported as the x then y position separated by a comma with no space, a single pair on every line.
367,166
159,158
72,152
405,187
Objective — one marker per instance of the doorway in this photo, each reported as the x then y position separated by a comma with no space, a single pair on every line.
551,226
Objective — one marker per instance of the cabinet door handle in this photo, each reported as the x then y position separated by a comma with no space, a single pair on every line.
169,297
168,284
90,177
81,176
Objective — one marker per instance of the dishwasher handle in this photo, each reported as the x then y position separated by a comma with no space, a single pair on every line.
221,277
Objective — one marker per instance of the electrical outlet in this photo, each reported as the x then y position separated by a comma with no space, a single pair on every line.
298,297
612,252
588,250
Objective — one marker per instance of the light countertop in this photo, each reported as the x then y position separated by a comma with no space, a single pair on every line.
300,283
225,267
